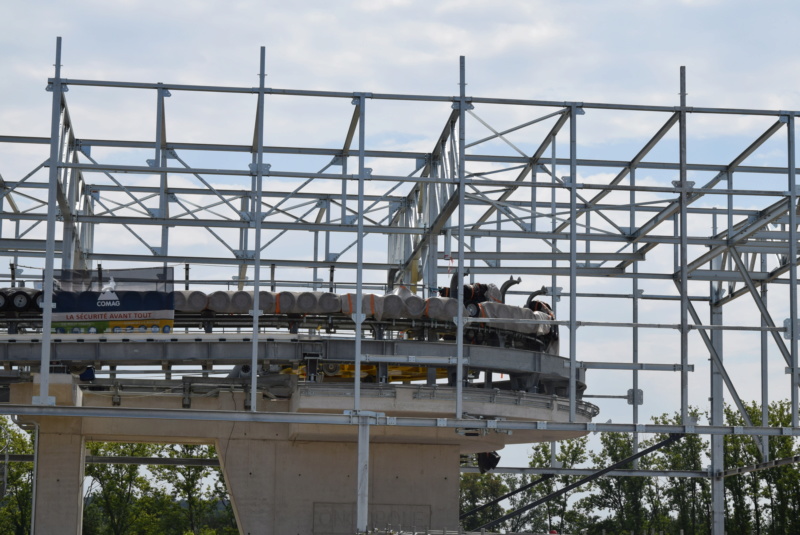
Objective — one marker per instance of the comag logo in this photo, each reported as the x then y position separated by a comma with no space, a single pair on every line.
108,297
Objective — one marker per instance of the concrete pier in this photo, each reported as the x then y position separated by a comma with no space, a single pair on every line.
290,477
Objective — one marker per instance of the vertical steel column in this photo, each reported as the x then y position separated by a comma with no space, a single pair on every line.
44,397
362,492
573,259
314,272
462,134
635,318
430,281
161,161
553,263
793,261
717,413
764,368
553,221
359,316
362,489
533,198
684,259
328,232
256,211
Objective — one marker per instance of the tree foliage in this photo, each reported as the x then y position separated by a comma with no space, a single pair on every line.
162,499
15,506
477,490
758,502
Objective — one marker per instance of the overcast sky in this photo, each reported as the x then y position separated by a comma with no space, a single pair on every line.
737,54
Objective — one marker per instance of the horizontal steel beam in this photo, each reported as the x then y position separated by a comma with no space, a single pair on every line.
586,472
336,419
631,366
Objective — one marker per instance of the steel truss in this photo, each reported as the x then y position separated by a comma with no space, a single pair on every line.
501,187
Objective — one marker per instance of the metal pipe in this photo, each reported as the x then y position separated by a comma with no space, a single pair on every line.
360,101
764,368
462,109
790,138
44,397
362,490
684,255
505,496
573,261
256,212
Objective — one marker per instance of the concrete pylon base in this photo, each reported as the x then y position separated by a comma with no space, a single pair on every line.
283,487
59,477
290,477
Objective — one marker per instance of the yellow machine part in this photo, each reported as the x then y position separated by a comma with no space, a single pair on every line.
396,373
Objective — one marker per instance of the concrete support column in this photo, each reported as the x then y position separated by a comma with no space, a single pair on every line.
286,486
249,470
59,477
717,418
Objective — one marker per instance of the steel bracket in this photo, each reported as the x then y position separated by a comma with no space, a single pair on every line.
677,185
788,332
244,254
555,291
264,169
635,397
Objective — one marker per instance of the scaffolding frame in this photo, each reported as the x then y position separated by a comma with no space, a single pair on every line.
488,205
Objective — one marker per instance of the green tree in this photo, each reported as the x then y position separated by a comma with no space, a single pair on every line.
477,490
188,484
222,519
15,506
115,503
782,484
622,497
557,513
743,507
690,498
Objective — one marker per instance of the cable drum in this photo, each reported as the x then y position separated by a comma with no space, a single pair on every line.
285,303
306,303
394,307
20,300
219,301
329,303
189,300
266,302
241,302
415,306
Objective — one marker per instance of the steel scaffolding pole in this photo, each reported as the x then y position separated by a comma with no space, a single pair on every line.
462,133
44,397
256,215
683,256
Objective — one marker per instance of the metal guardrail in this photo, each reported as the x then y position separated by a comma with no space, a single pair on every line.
443,393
